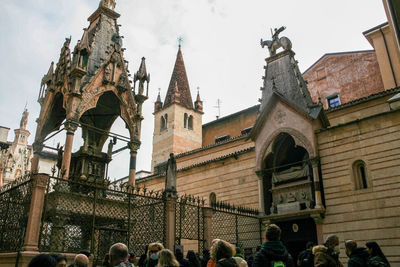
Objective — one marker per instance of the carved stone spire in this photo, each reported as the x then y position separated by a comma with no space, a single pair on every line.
142,76
24,119
158,103
178,89
198,104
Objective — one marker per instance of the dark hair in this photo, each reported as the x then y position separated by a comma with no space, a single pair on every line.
376,250
58,257
238,250
309,244
131,254
43,260
85,252
350,245
223,250
273,232
191,256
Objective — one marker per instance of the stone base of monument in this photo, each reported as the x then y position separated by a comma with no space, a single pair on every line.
288,207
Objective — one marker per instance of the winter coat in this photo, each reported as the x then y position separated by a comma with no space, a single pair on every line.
358,258
204,260
227,262
272,251
324,258
376,261
306,258
124,264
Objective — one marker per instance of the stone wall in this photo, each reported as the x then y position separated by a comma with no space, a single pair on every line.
231,179
371,213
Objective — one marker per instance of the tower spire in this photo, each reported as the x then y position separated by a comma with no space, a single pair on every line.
178,89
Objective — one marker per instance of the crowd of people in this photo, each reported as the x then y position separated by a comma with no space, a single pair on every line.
272,253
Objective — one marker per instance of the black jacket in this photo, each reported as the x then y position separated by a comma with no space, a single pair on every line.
265,256
306,258
227,262
358,258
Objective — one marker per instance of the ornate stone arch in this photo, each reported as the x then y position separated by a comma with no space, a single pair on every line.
299,138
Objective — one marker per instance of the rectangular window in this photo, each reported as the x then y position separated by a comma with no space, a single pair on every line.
333,101
222,138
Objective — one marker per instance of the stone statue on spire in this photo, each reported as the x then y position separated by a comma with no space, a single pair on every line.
108,4
24,119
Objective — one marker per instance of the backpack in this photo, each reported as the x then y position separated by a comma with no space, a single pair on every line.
307,260
278,264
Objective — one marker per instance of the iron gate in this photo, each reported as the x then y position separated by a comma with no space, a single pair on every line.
189,222
238,225
88,217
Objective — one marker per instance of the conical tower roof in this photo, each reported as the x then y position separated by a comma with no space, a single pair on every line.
178,89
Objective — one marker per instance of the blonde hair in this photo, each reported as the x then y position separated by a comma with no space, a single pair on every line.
166,258
156,245
222,249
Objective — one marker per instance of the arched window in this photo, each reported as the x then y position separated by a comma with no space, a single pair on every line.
166,120
360,175
162,124
190,122
213,199
185,117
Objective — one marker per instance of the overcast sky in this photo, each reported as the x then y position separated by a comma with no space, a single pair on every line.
221,49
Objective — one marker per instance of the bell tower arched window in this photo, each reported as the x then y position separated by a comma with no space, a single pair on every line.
185,118
163,124
360,175
190,122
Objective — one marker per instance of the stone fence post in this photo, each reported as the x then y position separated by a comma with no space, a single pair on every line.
170,204
207,213
31,242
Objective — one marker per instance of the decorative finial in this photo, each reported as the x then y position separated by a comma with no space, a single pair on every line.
198,89
108,4
180,41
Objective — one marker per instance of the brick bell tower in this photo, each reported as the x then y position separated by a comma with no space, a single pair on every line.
177,122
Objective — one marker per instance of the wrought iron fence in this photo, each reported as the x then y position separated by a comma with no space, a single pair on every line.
237,225
189,221
15,200
79,216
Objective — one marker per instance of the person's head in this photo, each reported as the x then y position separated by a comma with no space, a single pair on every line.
43,260
273,233
106,260
309,245
206,252
238,250
332,242
166,258
132,258
374,250
60,259
221,250
85,252
118,252
191,256
350,246
153,249
81,260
